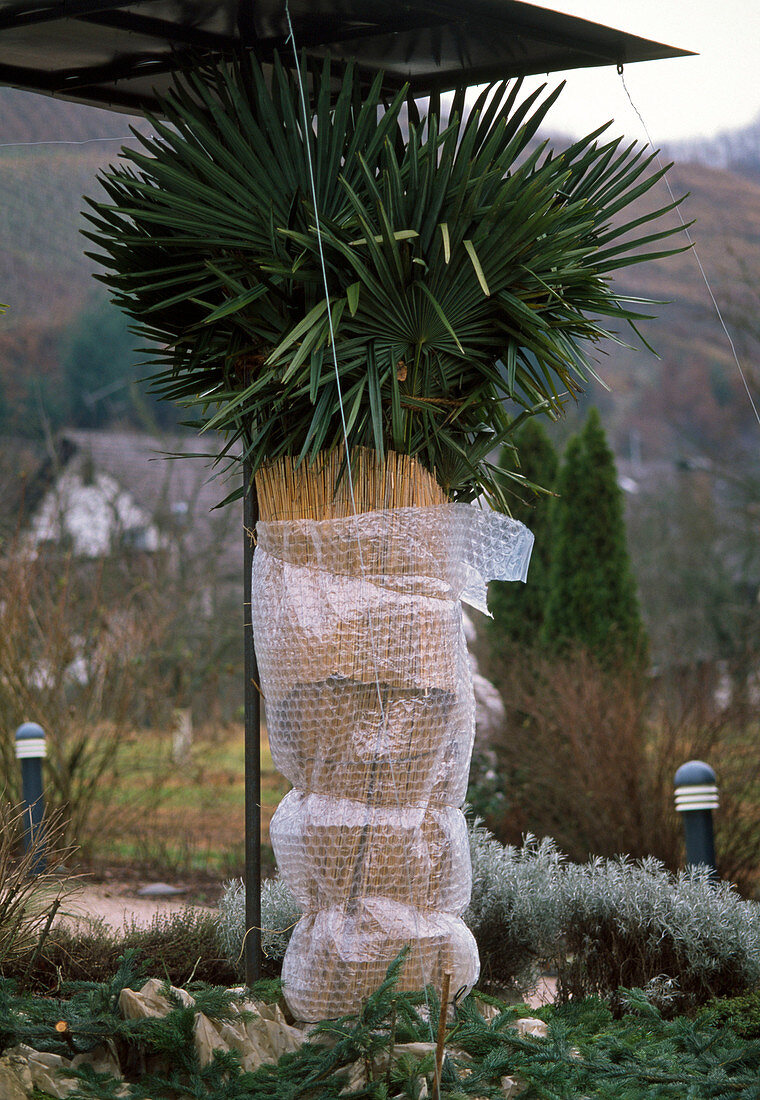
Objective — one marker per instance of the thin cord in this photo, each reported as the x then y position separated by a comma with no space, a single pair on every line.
694,250
292,39
85,141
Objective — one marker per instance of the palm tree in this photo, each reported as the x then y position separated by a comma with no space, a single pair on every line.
358,289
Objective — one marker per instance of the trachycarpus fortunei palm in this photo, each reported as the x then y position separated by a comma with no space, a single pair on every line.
369,281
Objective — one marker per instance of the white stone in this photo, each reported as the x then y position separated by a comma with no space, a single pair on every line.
490,713
530,1026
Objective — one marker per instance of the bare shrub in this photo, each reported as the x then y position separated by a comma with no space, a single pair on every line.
75,657
28,899
182,947
588,757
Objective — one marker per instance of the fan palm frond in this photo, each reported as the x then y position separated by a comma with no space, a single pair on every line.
468,267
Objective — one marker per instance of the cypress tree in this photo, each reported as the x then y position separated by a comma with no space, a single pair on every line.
518,609
592,598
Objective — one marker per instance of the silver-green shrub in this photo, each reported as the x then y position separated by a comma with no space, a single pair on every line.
515,911
609,923
279,912
637,925
601,925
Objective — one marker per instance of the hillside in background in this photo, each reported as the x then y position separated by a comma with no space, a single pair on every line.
688,401
43,272
735,150
692,400
44,276
27,117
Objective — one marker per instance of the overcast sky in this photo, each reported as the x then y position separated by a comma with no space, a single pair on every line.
681,98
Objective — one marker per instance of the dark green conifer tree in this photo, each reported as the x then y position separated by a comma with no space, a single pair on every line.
518,609
592,599
101,368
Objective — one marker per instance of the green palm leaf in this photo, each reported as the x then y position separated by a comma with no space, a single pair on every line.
468,267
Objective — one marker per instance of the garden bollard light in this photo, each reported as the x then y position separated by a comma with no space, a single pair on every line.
696,798
30,750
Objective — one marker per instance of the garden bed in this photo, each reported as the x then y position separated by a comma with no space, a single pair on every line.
127,1038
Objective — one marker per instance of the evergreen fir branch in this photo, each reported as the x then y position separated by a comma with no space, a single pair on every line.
586,1052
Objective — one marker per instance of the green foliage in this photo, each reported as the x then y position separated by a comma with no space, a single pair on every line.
640,1056
518,610
91,1007
465,265
741,1014
592,595
318,1068
91,1011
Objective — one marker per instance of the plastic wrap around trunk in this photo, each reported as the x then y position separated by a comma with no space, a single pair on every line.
370,714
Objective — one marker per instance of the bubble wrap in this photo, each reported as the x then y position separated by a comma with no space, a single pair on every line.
370,713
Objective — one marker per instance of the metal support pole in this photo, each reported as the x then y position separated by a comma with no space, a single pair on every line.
252,701
696,798
31,751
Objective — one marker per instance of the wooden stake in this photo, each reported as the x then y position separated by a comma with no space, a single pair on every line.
441,1033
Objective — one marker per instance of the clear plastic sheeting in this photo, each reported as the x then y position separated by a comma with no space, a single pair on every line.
370,714
417,849
337,956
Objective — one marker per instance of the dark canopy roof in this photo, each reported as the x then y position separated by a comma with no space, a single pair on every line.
118,53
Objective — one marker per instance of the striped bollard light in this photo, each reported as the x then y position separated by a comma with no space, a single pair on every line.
31,751
696,797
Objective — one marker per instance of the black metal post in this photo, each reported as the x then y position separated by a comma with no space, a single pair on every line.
31,750
252,702
696,798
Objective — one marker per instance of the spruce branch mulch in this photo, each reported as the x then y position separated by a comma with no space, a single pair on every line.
586,1052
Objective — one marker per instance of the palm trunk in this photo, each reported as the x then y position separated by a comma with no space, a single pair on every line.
369,711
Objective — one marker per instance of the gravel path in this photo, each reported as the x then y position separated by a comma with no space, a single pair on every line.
119,903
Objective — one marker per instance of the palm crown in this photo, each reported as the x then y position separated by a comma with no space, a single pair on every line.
468,267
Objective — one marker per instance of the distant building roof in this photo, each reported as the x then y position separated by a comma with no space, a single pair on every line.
108,488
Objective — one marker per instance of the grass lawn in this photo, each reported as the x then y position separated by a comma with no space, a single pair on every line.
184,819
